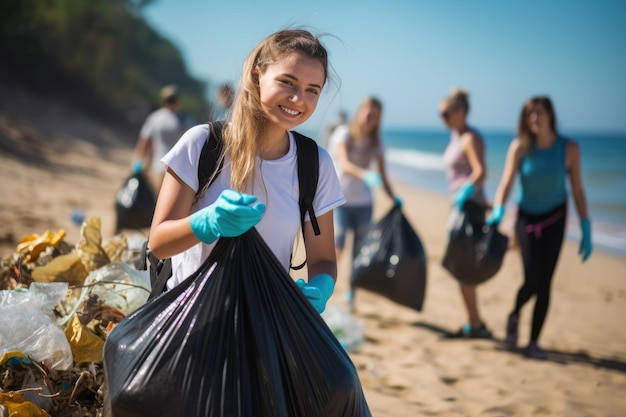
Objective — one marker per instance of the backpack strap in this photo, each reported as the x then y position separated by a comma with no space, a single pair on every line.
308,176
210,155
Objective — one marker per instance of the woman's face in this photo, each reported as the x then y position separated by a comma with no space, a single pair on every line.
451,115
290,88
538,119
369,117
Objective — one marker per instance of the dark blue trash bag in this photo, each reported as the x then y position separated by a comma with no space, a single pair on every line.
237,338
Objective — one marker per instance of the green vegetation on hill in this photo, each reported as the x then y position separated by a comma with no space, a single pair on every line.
101,54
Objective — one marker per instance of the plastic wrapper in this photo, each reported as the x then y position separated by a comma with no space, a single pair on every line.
237,338
345,327
392,261
475,251
134,203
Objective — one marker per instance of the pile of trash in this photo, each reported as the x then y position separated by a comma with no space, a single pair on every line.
58,303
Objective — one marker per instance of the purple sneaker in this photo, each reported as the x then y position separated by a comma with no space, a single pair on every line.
535,352
511,330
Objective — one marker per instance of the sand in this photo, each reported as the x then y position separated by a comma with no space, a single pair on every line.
54,159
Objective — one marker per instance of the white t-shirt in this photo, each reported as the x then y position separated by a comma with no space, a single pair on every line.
355,190
276,186
163,128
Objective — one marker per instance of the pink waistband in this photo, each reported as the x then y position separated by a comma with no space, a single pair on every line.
537,228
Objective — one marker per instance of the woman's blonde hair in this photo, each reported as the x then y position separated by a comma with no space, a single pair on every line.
458,99
249,121
356,129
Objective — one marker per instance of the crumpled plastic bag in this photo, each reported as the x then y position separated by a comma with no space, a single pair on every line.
116,286
26,324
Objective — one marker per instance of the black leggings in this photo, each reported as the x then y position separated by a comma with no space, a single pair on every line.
540,248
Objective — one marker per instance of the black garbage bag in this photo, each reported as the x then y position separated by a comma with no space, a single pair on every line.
134,203
475,251
237,338
392,261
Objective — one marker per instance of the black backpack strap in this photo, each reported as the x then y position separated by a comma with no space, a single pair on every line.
308,176
210,155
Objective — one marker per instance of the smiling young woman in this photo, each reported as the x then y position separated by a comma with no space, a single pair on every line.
281,81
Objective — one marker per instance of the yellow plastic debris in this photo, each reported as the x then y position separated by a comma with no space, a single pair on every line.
64,268
19,407
89,246
32,245
86,346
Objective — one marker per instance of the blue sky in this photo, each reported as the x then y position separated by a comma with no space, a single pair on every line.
411,53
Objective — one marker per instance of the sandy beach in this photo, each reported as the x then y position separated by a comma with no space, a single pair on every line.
54,159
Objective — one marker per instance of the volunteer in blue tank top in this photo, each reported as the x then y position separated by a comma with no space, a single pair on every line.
360,161
543,159
465,161
281,81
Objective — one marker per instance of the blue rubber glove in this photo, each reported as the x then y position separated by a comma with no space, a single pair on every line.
318,290
397,201
373,179
136,166
230,215
497,212
465,192
586,247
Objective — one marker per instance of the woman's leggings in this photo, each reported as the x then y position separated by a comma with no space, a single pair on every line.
540,238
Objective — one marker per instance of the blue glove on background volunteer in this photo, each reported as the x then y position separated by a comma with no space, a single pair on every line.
497,212
373,179
465,193
136,166
230,215
318,290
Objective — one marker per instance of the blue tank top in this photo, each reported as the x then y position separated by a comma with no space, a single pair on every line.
542,178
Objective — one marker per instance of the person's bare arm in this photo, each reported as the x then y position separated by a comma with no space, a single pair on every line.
382,168
573,165
320,250
171,232
474,151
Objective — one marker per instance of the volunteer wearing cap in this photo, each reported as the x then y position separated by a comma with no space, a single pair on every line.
160,131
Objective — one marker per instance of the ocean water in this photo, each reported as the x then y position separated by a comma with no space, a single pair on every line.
415,157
